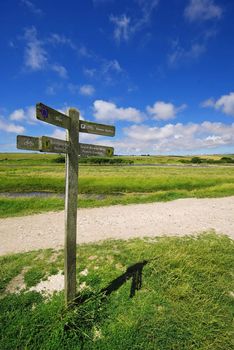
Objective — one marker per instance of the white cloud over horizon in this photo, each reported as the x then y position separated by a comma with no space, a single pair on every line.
143,136
174,138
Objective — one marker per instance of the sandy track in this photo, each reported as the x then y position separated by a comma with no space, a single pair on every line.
180,217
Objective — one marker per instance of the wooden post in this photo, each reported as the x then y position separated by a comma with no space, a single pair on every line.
71,208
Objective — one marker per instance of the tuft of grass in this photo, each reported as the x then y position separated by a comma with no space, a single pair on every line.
26,206
152,293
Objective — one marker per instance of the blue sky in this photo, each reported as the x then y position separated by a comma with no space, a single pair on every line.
161,71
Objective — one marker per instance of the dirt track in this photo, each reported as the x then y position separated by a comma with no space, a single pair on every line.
180,217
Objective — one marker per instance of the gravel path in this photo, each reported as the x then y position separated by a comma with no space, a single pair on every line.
180,217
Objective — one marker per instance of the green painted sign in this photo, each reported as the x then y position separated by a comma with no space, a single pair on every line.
51,116
86,150
52,145
98,129
28,143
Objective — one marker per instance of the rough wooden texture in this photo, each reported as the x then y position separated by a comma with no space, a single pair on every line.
28,143
71,208
98,129
51,116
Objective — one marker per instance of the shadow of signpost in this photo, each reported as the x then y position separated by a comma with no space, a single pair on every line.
90,304
133,271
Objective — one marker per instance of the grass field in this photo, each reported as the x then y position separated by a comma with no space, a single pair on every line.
149,294
105,185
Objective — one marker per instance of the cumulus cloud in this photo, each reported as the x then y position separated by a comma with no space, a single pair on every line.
164,111
175,138
87,90
27,114
18,114
59,134
106,111
11,127
225,104
202,10
83,137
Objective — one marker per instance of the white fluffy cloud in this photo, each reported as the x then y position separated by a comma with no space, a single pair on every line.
10,127
175,138
225,104
108,111
164,111
83,137
202,10
18,114
104,110
27,114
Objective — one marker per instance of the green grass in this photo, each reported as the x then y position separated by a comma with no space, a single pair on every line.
184,302
106,185
26,206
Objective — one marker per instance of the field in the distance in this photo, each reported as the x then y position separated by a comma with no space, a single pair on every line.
24,178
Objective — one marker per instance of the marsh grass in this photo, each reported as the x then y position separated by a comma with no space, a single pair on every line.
107,185
159,294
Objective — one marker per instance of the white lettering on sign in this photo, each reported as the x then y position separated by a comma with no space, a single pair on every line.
29,143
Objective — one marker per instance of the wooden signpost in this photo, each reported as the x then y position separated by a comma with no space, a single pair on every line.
73,149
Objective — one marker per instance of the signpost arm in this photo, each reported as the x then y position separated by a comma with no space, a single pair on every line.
71,208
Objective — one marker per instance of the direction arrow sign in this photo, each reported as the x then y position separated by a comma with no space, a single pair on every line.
98,129
95,150
28,142
49,144
51,116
